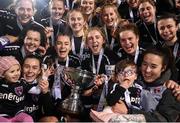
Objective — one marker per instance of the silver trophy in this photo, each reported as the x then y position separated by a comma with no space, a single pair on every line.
78,79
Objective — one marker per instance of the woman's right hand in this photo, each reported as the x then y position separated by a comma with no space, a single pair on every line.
171,84
48,31
175,88
176,92
99,80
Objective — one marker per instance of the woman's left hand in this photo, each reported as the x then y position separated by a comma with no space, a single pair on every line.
46,72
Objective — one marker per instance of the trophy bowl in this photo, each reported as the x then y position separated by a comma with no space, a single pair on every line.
81,79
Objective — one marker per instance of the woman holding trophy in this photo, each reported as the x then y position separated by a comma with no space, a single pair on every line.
100,59
59,63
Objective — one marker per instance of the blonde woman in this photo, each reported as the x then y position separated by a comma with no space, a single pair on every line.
78,27
90,12
112,21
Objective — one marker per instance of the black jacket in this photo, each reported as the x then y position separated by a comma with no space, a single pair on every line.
124,10
60,27
109,58
39,105
10,25
123,55
12,97
147,34
17,50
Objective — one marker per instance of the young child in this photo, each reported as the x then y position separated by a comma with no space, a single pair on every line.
12,91
124,93
125,90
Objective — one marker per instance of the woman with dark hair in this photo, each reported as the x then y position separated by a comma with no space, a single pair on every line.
59,60
31,41
33,73
147,24
43,38
158,101
168,29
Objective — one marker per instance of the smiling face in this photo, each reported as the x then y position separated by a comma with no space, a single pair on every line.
76,21
31,69
13,74
95,41
147,12
109,16
24,10
57,10
168,29
87,6
63,46
32,41
129,41
152,67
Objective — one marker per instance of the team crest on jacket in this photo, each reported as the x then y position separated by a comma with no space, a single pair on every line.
19,90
